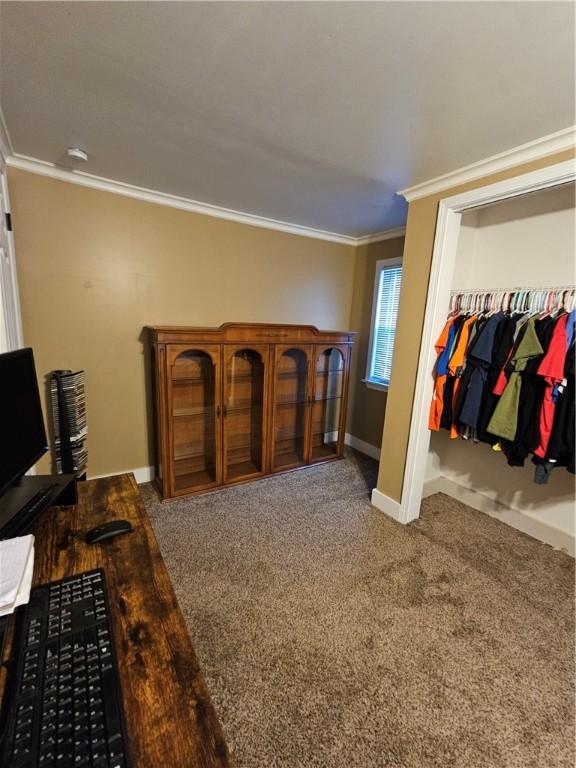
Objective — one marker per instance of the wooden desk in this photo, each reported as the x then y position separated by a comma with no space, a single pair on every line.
169,716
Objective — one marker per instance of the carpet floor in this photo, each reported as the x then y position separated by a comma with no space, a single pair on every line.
332,637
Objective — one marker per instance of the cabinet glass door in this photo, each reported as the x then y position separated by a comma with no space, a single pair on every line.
291,407
244,411
326,422
195,418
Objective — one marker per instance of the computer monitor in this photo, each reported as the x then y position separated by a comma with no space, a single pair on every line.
22,433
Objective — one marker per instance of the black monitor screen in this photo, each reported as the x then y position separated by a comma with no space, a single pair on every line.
22,433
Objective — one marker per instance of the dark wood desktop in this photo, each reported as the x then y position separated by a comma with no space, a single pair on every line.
170,719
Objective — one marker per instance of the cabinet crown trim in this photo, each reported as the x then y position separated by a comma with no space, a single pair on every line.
249,333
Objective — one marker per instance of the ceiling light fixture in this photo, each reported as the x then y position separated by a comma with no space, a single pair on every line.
75,153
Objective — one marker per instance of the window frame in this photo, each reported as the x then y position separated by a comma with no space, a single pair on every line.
381,265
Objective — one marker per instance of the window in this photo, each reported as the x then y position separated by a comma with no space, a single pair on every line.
384,314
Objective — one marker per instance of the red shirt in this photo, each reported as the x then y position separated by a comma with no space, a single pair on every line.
552,369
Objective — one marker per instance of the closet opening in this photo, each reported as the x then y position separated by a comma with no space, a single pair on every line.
514,247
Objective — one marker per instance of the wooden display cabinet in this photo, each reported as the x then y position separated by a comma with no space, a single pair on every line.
242,401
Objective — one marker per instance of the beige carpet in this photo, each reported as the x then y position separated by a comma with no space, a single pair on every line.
332,636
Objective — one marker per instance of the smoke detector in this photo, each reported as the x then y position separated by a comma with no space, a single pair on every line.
75,153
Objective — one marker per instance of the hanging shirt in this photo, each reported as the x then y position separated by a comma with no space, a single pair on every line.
458,357
448,395
531,394
552,369
561,444
479,359
504,420
570,328
502,380
456,367
503,345
442,348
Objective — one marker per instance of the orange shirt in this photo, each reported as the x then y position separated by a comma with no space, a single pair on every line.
456,362
437,404
459,354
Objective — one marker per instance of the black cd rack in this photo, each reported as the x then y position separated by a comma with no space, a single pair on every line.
69,421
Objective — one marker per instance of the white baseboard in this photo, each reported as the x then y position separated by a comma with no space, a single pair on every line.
360,445
387,505
142,474
536,528
146,474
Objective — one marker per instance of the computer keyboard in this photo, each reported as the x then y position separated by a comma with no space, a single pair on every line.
63,696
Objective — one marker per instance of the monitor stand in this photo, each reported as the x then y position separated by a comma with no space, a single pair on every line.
14,520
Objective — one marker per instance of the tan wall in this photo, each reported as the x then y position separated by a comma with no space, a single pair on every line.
95,267
367,406
420,230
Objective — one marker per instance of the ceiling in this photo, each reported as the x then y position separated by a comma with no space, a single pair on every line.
310,113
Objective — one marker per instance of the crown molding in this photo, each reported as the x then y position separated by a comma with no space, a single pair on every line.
43,168
377,237
6,150
525,153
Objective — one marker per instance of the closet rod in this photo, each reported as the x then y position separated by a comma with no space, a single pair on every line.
551,298
515,289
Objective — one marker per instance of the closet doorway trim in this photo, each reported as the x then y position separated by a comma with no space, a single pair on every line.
448,224
11,317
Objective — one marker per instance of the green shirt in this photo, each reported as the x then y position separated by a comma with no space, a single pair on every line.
504,421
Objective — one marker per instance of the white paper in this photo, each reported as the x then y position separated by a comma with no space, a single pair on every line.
23,594
16,566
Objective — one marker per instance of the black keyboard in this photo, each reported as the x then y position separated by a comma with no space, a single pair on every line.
63,693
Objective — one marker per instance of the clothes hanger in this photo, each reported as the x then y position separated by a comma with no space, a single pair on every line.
537,302
514,303
526,301
536,299
548,303
558,304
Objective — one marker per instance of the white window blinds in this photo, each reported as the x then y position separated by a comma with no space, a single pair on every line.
384,330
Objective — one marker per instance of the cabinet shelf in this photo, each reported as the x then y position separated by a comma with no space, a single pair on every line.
245,377
319,430
189,455
194,479
287,459
194,380
233,446
288,375
245,406
324,450
242,469
186,413
288,433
